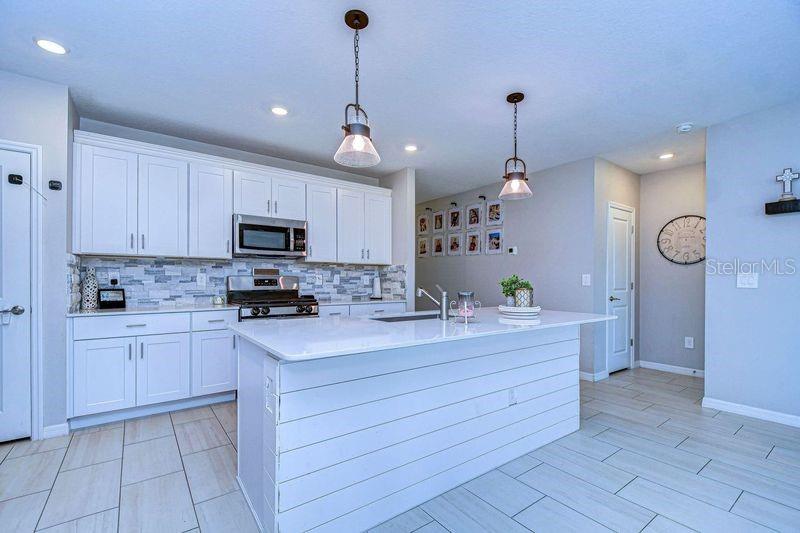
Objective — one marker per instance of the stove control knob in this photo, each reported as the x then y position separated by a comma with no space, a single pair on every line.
301,309
254,311
265,311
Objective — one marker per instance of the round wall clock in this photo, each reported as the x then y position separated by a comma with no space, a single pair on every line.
682,240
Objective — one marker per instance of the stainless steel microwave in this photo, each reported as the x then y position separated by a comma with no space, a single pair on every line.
268,237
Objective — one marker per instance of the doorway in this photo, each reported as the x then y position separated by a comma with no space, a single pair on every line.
18,263
620,272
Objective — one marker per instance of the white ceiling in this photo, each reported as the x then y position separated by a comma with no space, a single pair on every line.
598,76
642,157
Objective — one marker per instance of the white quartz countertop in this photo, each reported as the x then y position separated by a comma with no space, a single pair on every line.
150,310
317,338
364,300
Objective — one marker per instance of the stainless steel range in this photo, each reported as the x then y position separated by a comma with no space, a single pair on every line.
267,294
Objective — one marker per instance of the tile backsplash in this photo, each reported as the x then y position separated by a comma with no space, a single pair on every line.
154,282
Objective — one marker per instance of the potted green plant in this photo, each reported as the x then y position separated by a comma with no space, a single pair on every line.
509,287
523,295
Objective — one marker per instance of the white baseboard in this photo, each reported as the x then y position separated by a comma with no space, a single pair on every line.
754,412
588,376
686,371
56,430
636,364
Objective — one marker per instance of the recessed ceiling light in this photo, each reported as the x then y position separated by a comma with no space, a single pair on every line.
669,155
280,111
411,148
51,46
684,127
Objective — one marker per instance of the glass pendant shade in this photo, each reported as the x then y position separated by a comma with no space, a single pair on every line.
357,151
515,189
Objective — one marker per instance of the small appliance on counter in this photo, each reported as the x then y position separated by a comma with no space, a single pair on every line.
267,294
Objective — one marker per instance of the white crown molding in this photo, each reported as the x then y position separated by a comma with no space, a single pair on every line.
118,143
686,371
753,412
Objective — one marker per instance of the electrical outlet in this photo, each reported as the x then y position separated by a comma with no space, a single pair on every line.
747,280
336,279
113,277
202,279
317,279
688,342
586,280
513,250
366,280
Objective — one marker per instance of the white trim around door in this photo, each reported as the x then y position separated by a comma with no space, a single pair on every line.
37,371
633,280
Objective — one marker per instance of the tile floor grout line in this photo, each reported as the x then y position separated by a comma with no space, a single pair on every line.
77,518
121,470
185,476
53,484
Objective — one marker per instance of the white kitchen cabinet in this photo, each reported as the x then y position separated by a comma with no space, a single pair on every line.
378,228
104,375
334,310
106,193
163,219
321,216
350,226
288,198
210,211
252,194
162,368
213,362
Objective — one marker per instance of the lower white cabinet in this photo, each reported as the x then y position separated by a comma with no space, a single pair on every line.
162,368
104,375
213,362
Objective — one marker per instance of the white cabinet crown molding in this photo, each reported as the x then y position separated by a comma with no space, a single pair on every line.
142,148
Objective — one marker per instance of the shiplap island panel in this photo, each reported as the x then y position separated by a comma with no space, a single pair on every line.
345,422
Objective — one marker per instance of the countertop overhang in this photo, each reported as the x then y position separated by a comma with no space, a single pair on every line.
307,339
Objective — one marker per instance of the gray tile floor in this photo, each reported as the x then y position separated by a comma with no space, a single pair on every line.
647,458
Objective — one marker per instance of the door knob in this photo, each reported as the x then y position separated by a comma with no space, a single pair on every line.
612,298
15,310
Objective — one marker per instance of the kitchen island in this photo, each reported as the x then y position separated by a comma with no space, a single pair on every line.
345,422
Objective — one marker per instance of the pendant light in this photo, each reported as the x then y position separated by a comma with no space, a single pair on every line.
356,149
516,186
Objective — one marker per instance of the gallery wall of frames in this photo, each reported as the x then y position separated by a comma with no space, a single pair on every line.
474,229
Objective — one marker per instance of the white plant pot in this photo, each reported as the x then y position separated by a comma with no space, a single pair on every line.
510,301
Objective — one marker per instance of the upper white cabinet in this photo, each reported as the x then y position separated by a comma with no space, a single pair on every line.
378,228
364,226
350,226
163,208
321,216
210,211
252,194
105,190
288,198
133,198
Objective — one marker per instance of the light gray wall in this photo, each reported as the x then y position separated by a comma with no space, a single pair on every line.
672,297
403,185
219,151
553,231
612,183
38,112
753,335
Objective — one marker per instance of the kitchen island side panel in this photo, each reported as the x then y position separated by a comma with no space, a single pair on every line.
364,437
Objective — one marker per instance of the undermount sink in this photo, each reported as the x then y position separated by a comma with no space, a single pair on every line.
405,318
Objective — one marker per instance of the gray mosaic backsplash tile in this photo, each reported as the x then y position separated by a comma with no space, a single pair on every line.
157,282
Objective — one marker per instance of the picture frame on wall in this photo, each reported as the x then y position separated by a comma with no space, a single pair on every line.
438,221
495,213
473,245
423,247
474,215
437,247
455,243
454,219
423,224
494,241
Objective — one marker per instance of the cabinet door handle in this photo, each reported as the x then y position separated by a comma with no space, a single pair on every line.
135,325
130,350
276,207
310,250
141,350
132,245
362,253
367,253
234,342
142,241
227,246
379,311
216,320
335,314
269,207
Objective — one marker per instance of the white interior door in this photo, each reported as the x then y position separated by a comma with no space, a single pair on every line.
15,294
619,276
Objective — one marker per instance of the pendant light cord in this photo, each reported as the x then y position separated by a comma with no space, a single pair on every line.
355,51
515,135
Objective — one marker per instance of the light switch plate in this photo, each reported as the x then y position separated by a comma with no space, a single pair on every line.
747,280
365,280
513,250
688,342
586,280
202,279
336,279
